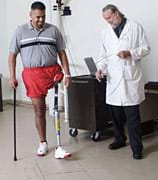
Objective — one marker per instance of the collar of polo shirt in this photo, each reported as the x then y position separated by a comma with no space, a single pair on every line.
31,27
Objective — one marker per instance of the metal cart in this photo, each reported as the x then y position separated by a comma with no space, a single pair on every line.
87,107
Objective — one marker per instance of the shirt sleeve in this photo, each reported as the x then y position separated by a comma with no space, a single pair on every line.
101,62
15,42
143,48
60,43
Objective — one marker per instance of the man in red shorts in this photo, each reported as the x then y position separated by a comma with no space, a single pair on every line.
39,44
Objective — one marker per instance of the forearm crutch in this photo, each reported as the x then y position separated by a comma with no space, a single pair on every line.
14,111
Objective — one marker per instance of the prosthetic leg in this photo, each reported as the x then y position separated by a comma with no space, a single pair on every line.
60,153
56,115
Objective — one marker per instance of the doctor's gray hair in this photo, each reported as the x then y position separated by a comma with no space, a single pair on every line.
113,8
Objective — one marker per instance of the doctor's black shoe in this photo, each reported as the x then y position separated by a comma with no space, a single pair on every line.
137,156
116,145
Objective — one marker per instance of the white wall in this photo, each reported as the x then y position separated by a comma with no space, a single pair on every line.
82,30
3,46
84,27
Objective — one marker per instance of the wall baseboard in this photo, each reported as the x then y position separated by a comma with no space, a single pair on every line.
19,103
27,104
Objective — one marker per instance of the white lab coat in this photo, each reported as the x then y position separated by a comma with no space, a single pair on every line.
125,85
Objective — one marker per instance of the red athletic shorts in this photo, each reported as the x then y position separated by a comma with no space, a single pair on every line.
39,79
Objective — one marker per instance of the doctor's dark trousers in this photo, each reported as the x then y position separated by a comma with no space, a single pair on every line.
131,116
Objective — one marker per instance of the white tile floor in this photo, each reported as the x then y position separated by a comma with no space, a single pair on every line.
90,160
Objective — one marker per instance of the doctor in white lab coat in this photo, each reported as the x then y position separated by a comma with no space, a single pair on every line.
123,44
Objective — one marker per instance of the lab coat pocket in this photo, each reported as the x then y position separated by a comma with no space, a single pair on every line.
130,72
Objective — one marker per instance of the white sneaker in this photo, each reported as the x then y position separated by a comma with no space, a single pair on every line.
43,149
60,153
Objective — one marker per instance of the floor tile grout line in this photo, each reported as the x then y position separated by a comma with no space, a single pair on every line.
40,171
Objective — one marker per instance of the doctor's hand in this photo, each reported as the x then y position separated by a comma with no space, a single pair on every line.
124,54
99,75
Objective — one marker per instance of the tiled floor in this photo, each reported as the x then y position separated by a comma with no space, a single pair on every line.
90,160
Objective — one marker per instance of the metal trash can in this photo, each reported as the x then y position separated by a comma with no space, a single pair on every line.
148,108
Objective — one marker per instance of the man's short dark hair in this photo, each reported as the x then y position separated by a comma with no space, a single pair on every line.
38,5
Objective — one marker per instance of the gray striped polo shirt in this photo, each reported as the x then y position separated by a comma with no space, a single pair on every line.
37,48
